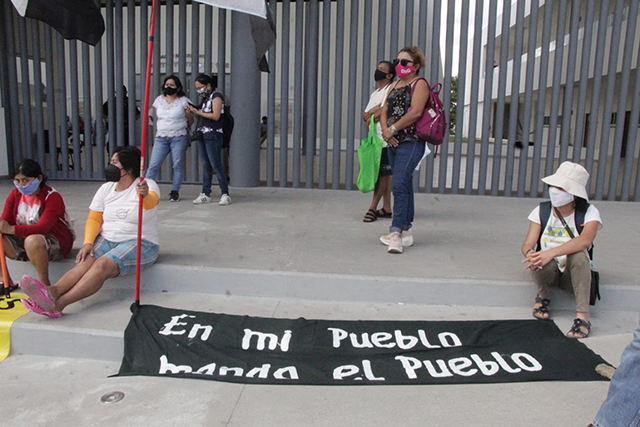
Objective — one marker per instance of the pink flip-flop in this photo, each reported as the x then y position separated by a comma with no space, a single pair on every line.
31,305
38,293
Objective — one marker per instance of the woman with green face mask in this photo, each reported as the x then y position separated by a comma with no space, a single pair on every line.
34,224
210,126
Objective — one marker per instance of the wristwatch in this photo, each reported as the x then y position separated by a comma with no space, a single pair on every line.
393,129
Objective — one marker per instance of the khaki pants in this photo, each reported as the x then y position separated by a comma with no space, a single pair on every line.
576,277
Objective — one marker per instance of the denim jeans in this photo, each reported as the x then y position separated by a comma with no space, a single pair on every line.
162,145
622,407
211,157
403,159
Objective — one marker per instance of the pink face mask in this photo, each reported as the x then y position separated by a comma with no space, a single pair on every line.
404,71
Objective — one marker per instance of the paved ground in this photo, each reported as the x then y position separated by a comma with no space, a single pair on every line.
290,253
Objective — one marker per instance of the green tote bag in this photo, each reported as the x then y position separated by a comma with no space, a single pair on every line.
369,154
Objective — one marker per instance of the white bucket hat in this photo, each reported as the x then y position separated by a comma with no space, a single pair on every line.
571,177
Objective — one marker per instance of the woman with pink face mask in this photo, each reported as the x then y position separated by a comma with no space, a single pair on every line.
404,106
556,252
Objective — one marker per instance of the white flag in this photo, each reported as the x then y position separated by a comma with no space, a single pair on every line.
253,7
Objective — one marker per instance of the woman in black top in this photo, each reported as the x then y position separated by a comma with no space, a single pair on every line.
406,150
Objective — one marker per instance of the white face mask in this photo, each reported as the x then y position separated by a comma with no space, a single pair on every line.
559,197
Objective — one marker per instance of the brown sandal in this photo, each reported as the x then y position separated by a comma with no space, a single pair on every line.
576,328
370,216
538,312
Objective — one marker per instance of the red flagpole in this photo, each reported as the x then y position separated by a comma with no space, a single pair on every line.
143,148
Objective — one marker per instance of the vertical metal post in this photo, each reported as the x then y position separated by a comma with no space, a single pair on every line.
594,108
408,23
271,104
14,153
284,97
324,94
338,97
488,92
584,80
351,97
222,51
111,84
448,66
62,105
297,93
100,130
51,102
462,83
24,144
75,110
528,97
430,13
195,71
473,107
622,101
5,58
556,86
608,100
208,43
88,120
310,87
382,30
38,92
182,40
500,104
394,44
169,36
245,151
515,99
121,132
131,74
632,142
542,96
567,101
367,66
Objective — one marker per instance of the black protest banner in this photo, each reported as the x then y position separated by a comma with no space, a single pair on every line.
243,349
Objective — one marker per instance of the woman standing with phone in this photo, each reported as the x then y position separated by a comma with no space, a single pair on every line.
173,118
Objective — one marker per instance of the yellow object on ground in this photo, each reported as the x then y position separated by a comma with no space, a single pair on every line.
11,309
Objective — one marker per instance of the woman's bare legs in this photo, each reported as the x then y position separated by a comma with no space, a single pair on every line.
36,248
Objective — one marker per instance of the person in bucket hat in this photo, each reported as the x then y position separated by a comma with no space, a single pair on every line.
556,256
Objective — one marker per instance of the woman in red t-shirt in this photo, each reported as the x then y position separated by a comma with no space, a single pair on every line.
34,224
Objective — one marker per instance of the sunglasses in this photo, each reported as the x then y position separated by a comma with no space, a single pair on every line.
404,62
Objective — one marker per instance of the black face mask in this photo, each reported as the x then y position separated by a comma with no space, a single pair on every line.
112,173
169,90
379,75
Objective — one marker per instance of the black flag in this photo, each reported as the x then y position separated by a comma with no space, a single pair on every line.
74,19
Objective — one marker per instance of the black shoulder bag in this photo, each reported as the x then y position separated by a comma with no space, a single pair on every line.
595,276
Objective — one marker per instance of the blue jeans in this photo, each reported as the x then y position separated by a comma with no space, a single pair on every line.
403,159
622,407
211,157
162,145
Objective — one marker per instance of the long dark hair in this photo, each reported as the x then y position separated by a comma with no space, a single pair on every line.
205,79
178,83
129,158
30,168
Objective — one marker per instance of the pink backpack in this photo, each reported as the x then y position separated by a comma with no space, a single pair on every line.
432,125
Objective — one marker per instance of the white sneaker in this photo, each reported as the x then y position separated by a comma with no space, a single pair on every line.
407,238
202,198
225,199
394,241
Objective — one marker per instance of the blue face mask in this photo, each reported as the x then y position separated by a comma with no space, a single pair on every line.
28,189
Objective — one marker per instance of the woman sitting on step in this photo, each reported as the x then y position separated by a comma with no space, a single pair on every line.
557,244
110,240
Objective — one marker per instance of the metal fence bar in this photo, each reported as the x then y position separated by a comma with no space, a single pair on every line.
131,74
25,150
433,29
169,8
608,100
448,66
460,113
324,95
367,67
622,101
62,105
222,50
528,97
271,105
298,94
88,119
556,86
182,38
514,106
51,102
542,98
351,100
500,105
382,30
488,92
408,23
394,27
121,131
310,87
634,117
582,90
595,117
567,103
208,43
473,107
97,96
110,110
337,116
75,110
9,81
38,92
195,72
284,97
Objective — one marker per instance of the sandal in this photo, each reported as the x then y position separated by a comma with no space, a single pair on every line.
370,216
381,213
38,293
34,307
576,328
538,312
